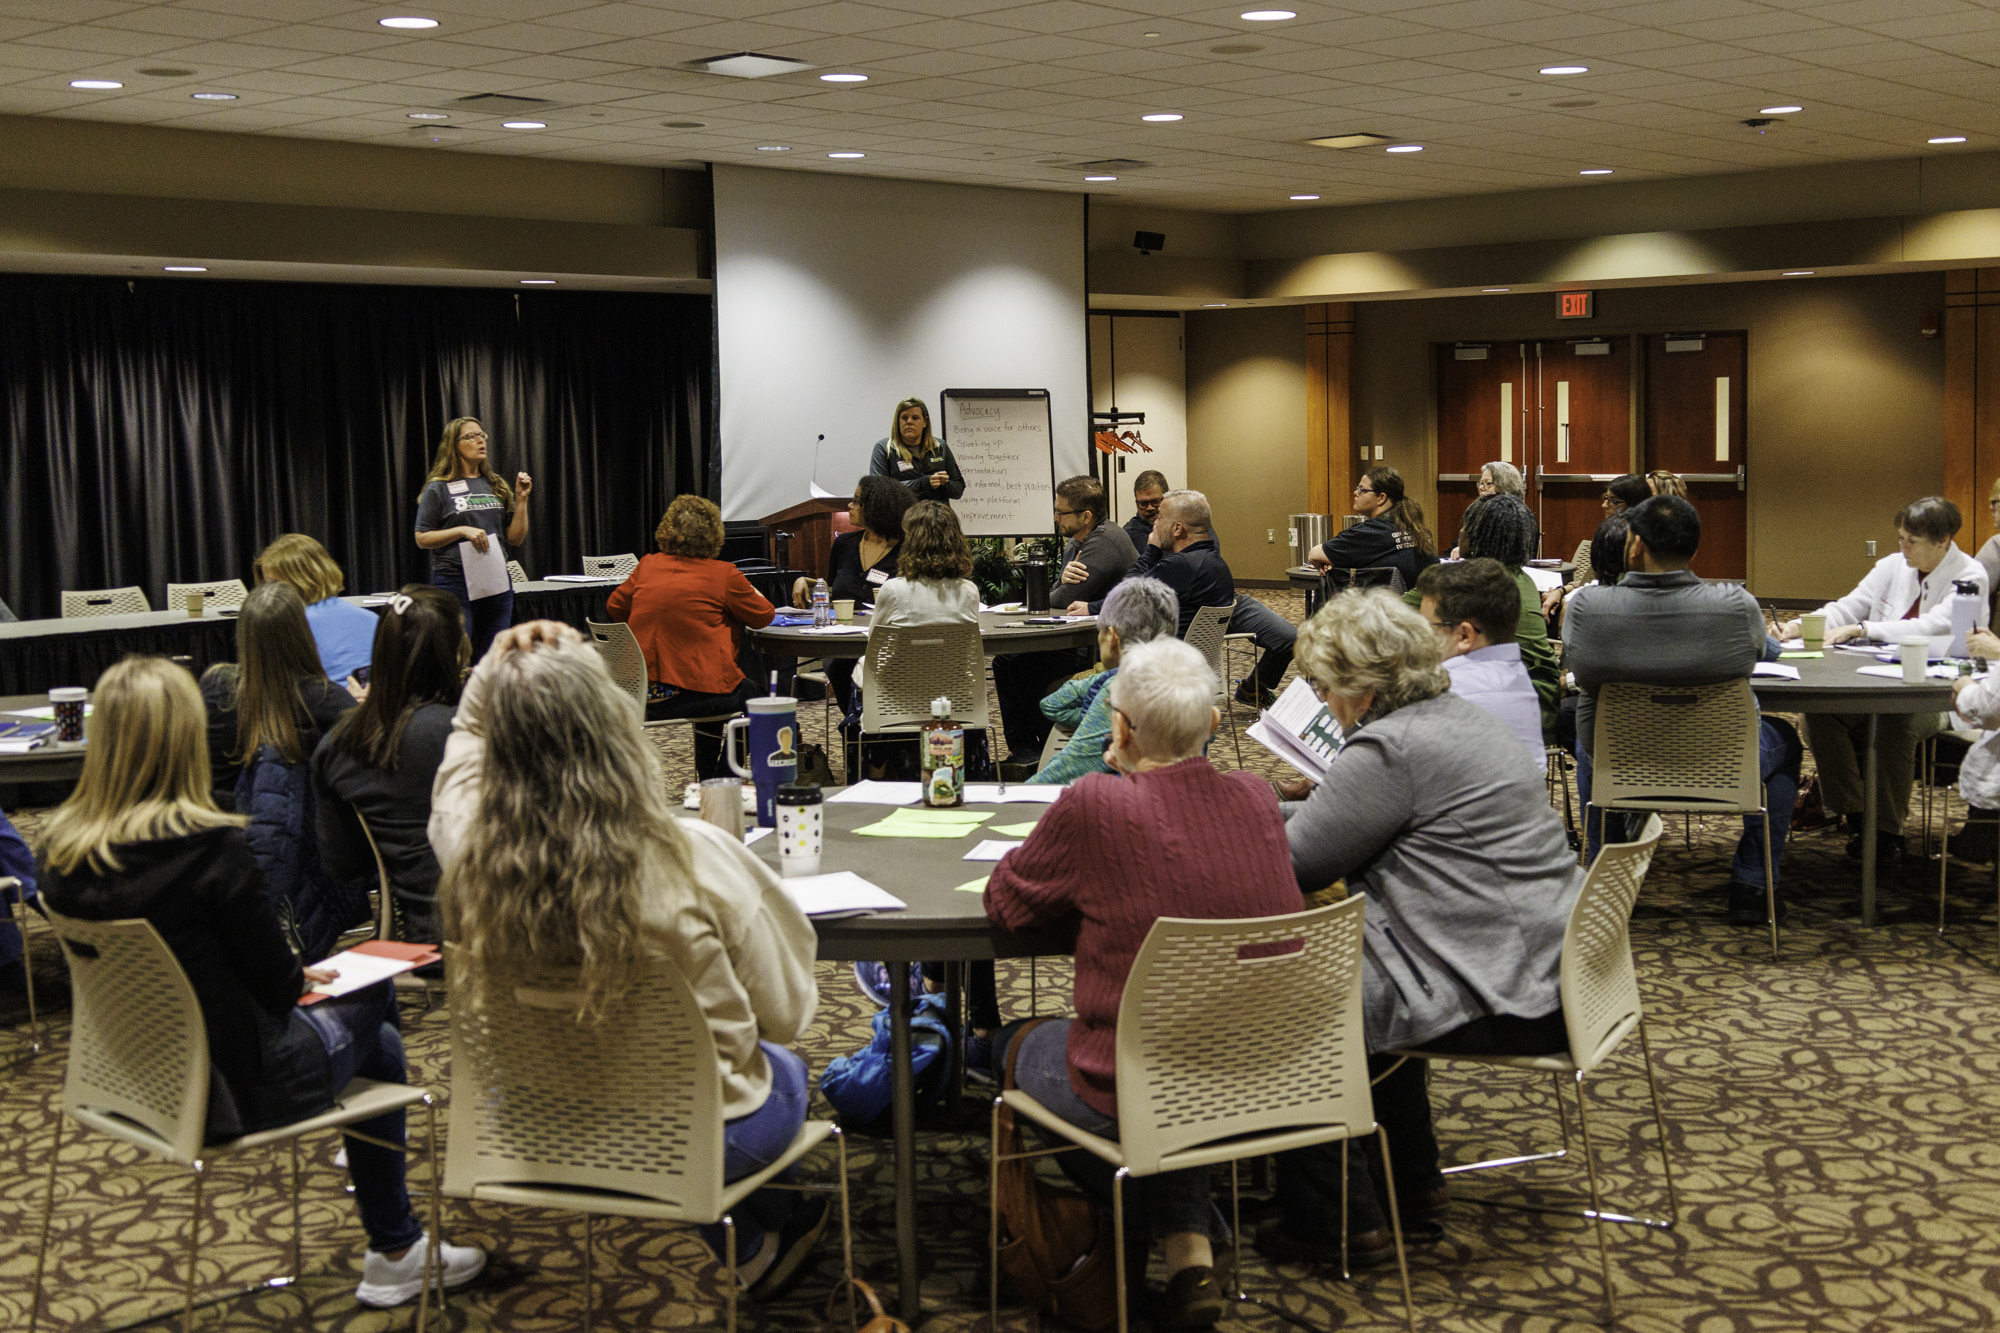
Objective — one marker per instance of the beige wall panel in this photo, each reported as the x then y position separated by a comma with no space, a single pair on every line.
1246,378
1152,378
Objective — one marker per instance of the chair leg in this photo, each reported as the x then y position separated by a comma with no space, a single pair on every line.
1596,1205
48,1211
1944,867
1396,1227
1346,1270
992,1226
193,1250
847,1235
1770,884
1236,1232
1660,1123
729,1282
298,1256
1118,1240
434,1242
589,1252
19,911
1562,1111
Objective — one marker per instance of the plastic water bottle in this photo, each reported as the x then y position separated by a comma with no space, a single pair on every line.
822,605
1965,603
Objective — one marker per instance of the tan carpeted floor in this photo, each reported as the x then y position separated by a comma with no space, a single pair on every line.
1832,1119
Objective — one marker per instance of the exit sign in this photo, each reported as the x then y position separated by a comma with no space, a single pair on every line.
1576,305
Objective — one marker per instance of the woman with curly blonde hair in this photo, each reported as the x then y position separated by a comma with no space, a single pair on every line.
687,609
560,850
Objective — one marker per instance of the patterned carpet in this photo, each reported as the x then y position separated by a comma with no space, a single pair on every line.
1834,1123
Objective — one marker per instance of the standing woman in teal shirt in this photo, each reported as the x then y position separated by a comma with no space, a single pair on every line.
913,456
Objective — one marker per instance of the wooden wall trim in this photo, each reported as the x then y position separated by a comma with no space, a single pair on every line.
1972,396
1330,460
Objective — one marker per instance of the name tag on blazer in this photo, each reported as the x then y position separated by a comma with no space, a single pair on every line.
905,465
878,576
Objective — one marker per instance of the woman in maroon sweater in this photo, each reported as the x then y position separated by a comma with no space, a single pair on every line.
1165,836
685,608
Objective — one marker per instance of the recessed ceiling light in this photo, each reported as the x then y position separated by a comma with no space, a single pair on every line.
1149,34
843,78
846,157
774,148
1565,69
428,115
1496,289
538,282
1267,15
1160,117
1797,273
1100,178
106,85
407,22
1405,148
1305,196
1942,138
523,125
1214,305
1778,110
1595,171
185,268
213,97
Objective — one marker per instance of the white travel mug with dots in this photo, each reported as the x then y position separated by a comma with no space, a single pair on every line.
801,812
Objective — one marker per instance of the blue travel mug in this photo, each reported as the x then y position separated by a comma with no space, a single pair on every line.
771,734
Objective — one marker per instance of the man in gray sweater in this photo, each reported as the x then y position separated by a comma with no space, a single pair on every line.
1095,559
1662,625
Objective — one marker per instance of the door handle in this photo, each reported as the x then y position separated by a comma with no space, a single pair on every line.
1457,476
1736,476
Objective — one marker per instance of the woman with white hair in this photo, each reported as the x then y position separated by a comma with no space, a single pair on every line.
560,850
1495,479
1164,835
1136,611
1428,810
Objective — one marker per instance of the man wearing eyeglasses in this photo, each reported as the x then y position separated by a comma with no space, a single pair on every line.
1147,492
1096,556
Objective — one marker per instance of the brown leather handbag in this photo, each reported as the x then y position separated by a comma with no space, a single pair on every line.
1055,1244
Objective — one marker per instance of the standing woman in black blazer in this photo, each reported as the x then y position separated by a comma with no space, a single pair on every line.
918,459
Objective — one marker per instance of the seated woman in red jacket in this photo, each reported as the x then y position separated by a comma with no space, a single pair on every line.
1204,844
685,608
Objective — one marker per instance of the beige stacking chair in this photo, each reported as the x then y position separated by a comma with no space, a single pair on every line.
1207,633
517,573
105,602
906,667
1601,1007
221,594
627,664
139,1072
388,924
1215,1066
1689,749
611,566
621,1118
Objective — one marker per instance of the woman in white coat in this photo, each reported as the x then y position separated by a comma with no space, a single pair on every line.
1905,595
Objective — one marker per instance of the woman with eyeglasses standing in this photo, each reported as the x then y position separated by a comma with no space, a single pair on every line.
465,500
1391,533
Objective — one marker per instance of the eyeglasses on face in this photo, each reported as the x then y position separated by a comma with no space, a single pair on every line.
1066,513
1366,490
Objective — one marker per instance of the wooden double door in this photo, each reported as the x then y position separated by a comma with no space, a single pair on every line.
1575,414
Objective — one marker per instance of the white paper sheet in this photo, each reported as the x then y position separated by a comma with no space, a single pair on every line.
988,793
46,713
579,578
358,970
835,630
1278,743
842,891
1545,579
992,849
751,835
485,573
1777,669
1939,671
21,747
879,793
1299,730
819,492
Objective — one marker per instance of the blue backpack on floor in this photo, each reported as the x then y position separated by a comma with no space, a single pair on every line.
857,1085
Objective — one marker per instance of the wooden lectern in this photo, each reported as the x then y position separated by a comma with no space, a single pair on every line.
813,525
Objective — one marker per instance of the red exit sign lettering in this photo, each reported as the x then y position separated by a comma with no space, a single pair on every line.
1576,305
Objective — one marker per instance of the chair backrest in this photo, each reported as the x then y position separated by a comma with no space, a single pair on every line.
219,594
907,666
633,1104
516,574
1219,1037
1336,581
1676,746
1057,742
105,602
385,910
620,649
137,1047
1600,989
1205,634
610,566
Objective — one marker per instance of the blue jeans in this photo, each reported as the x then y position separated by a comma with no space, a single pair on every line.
1779,754
361,1040
1277,636
1164,1205
752,1142
484,618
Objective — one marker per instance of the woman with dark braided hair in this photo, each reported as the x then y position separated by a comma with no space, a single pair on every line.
1502,528
1391,533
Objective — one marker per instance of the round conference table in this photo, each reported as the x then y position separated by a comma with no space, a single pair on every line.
999,632
1834,684
941,923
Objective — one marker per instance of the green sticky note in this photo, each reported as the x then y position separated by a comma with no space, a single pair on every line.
925,815
1013,830
894,828
974,885
1802,654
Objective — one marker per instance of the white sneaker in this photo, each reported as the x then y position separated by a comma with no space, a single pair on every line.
386,1282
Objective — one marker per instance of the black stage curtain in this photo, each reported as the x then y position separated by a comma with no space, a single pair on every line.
155,432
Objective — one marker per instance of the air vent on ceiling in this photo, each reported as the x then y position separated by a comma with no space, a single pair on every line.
502,103
748,65
1106,165
1355,140
1234,49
